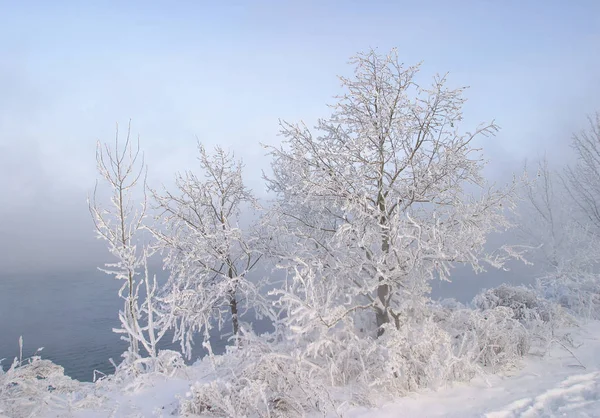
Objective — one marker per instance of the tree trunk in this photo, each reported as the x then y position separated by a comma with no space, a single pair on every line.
381,315
383,290
130,304
233,302
234,312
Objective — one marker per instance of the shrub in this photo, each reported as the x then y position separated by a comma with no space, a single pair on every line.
490,338
579,294
525,304
31,386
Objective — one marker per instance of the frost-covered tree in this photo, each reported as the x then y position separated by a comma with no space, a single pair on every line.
121,225
544,213
373,204
583,179
206,251
563,244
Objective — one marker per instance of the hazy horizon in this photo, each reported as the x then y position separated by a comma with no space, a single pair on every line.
225,73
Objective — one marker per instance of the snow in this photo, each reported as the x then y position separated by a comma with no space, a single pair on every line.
558,383
553,385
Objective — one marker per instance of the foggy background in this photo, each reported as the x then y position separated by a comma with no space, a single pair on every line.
226,73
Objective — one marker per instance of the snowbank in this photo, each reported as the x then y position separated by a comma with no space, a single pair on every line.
553,385
563,382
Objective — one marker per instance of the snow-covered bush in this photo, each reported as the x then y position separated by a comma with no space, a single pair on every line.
541,317
276,385
526,304
492,338
342,340
417,356
283,379
296,376
135,371
262,378
449,304
33,385
578,292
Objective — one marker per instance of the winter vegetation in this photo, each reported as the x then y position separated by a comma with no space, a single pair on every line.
385,195
206,252
121,225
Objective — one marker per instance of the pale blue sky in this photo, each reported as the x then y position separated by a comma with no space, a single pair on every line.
226,73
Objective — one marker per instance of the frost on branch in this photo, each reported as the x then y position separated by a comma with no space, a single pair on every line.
373,202
492,338
526,304
121,225
206,251
328,372
543,319
262,379
137,372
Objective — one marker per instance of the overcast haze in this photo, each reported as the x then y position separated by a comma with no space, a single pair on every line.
226,72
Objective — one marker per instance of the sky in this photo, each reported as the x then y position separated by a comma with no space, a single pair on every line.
226,72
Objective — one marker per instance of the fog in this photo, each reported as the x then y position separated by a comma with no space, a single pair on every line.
225,74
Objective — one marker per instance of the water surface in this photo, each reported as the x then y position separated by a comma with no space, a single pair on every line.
72,316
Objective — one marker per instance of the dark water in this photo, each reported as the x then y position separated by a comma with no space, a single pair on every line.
72,316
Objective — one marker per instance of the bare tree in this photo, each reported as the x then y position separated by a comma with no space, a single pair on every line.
121,225
563,247
376,203
583,179
207,253
542,215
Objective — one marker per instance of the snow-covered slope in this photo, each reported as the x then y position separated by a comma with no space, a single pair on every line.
563,382
559,384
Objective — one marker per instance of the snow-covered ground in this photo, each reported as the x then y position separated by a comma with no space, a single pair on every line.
560,383
554,385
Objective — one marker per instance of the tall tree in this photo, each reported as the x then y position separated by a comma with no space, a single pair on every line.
374,204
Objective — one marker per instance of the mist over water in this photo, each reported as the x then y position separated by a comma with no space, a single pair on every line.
72,316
